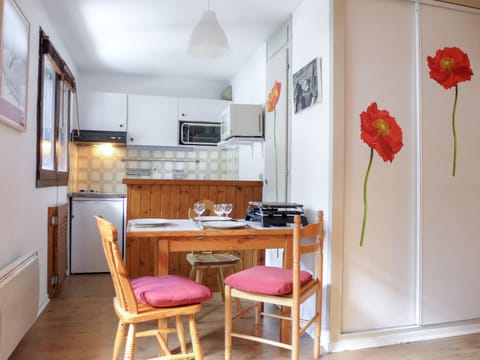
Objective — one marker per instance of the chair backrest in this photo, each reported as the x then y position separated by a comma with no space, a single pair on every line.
208,209
312,231
121,281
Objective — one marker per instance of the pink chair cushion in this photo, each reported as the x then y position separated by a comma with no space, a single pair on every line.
169,290
267,280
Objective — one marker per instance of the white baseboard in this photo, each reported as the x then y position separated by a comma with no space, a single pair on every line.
355,341
42,305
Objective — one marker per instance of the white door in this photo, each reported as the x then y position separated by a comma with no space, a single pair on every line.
276,131
275,186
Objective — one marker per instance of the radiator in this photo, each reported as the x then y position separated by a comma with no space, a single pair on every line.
19,288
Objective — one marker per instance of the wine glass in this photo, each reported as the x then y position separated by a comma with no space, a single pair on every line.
218,209
227,209
199,208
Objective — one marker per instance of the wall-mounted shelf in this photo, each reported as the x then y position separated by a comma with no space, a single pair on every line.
235,141
164,160
140,172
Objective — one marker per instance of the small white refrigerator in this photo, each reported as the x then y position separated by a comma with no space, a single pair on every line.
86,250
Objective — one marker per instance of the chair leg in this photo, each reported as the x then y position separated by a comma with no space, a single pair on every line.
228,323
162,337
199,276
258,318
197,347
318,326
295,331
192,273
220,282
119,339
181,334
316,340
130,345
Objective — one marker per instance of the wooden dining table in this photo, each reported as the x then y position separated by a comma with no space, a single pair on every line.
183,235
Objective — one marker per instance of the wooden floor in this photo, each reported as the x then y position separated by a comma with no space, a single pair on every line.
80,324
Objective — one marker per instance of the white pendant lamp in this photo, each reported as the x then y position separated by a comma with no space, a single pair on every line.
208,39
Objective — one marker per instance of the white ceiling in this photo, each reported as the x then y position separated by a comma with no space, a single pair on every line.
150,37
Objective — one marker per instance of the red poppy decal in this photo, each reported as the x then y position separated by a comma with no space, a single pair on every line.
272,102
274,96
381,132
449,67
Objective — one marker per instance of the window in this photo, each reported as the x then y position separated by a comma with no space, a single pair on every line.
56,91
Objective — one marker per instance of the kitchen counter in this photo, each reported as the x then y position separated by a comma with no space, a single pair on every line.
130,181
98,195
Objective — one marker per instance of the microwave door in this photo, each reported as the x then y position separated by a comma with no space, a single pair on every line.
184,134
200,133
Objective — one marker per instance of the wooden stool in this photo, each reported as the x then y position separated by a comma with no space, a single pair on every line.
203,261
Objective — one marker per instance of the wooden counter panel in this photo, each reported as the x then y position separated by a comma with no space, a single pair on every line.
171,199
139,257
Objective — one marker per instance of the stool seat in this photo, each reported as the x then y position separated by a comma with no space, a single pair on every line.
212,259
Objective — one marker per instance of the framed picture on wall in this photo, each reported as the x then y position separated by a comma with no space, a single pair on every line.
307,85
14,50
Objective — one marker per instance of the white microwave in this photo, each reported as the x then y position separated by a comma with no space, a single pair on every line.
242,121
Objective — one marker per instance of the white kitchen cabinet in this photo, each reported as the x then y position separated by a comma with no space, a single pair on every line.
152,120
102,111
208,110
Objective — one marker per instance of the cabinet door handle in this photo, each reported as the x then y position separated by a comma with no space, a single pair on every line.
121,125
131,139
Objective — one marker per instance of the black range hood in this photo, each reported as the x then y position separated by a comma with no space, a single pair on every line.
94,136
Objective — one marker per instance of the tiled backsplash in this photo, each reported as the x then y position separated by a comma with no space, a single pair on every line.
97,169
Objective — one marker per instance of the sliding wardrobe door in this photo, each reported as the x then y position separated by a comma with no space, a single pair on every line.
379,278
450,204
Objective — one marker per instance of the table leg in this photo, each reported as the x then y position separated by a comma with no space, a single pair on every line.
162,261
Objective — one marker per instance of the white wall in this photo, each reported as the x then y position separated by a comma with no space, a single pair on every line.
151,85
248,84
248,87
23,209
311,128
311,152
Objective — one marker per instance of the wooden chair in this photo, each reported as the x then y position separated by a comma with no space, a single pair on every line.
151,298
202,262
282,287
